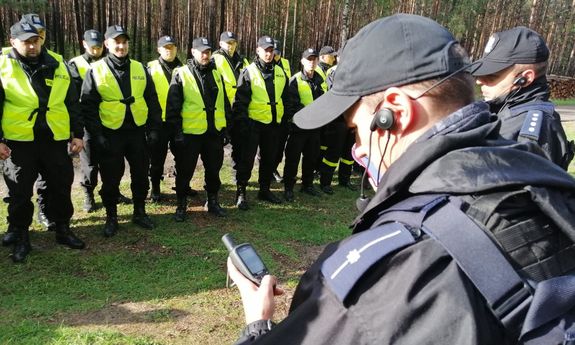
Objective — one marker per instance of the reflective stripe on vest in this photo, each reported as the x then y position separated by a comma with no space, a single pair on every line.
21,102
162,84
286,67
82,65
304,90
6,50
194,116
227,73
260,108
112,110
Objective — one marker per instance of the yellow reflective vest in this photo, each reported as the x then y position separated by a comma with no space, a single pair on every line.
224,68
112,110
286,67
260,108
194,116
304,90
21,102
162,84
82,65
320,71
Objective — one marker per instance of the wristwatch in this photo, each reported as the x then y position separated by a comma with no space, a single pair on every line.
257,328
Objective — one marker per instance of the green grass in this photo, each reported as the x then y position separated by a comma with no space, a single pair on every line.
164,286
564,101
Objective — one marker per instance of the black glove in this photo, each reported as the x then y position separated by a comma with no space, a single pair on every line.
226,139
153,138
102,143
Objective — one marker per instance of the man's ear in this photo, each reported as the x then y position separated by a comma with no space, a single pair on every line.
396,100
529,75
12,42
106,44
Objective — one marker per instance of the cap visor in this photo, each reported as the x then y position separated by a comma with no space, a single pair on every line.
26,36
94,44
203,48
489,67
116,35
323,110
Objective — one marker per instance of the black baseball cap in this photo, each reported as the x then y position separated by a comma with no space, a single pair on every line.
504,49
93,38
201,44
327,50
227,36
23,31
277,49
265,42
393,51
165,40
309,52
34,19
114,31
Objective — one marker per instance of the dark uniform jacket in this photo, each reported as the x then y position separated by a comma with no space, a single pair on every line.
418,295
37,74
208,88
91,98
513,109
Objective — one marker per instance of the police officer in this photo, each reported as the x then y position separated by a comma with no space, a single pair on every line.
438,141
257,111
512,77
284,129
121,107
327,59
230,63
39,116
161,71
304,87
197,108
93,47
41,189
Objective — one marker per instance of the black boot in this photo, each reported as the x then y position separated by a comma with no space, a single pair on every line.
10,237
140,217
66,237
180,215
241,199
111,226
267,195
213,206
89,201
22,247
155,194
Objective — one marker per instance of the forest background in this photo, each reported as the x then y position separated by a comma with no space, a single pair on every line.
298,24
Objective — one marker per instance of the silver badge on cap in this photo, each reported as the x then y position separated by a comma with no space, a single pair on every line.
36,20
119,28
310,50
26,26
230,34
93,35
168,39
205,41
491,44
268,39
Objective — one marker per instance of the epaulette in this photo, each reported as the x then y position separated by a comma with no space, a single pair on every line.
532,125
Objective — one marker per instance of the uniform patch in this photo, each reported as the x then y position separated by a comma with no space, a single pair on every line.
532,125
491,44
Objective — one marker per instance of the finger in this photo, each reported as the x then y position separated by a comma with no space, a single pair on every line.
241,281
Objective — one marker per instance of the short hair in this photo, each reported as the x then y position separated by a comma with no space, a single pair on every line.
449,96
540,68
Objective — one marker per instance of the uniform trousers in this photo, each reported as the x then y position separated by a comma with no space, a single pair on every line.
159,152
301,143
209,147
266,137
89,164
339,140
29,159
131,145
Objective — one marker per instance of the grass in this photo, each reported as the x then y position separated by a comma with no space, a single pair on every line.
164,286
564,101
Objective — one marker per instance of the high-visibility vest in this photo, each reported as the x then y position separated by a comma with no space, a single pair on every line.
230,82
286,67
112,110
320,71
260,108
304,90
21,102
82,65
194,115
162,84
6,50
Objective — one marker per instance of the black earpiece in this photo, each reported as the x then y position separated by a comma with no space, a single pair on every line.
520,81
384,119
